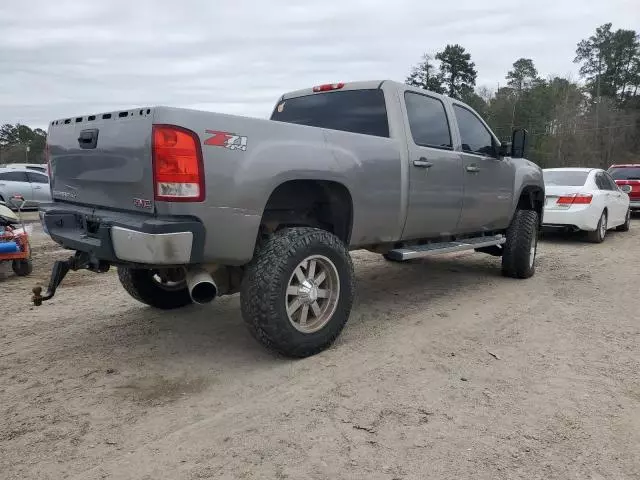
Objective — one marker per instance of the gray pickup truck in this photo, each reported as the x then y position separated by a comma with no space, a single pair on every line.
190,205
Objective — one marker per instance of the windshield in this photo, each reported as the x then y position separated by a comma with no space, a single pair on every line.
625,173
569,178
357,111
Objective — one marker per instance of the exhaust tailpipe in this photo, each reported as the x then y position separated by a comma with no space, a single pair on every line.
202,288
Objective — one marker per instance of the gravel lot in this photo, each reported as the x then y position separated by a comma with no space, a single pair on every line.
445,370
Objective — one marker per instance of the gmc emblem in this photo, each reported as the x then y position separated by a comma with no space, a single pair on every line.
141,203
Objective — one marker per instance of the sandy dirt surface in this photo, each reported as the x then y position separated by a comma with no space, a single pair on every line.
445,370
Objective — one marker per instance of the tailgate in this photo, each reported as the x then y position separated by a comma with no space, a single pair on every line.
103,160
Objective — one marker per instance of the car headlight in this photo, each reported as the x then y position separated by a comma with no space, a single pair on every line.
626,188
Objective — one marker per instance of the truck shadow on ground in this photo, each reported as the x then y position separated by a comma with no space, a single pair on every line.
216,333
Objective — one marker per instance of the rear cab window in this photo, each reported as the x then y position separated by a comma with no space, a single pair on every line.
565,178
355,111
428,121
625,173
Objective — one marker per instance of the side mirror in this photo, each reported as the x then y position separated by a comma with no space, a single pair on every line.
518,143
504,150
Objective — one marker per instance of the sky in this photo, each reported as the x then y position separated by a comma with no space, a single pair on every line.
61,58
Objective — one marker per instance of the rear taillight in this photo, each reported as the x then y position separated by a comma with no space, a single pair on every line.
328,87
178,174
575,199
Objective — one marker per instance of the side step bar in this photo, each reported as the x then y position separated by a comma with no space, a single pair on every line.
416,251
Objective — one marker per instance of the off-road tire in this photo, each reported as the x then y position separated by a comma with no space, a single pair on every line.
263,290
627,223
598,236
23,267
522,234
140,284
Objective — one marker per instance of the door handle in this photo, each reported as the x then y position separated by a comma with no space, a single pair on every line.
472,168
37,188
422,163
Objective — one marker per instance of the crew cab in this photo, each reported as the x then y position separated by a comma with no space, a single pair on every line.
189,205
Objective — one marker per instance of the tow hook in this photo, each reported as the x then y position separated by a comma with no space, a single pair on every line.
79,261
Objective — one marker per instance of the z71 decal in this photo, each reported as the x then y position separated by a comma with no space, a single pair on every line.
226,140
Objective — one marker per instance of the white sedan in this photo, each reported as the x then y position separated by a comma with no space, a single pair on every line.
584,199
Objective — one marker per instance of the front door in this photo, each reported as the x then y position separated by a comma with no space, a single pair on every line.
40,186
435,170
488,180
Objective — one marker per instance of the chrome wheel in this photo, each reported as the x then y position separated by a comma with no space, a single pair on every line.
603,225
170,279
312,294
532,250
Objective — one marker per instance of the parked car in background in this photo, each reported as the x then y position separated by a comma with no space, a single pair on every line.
627,177
30,184
39,167
585,199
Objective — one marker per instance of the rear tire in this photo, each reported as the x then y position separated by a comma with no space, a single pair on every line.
518,257
281,286
23,267
143,286
601,230
627,223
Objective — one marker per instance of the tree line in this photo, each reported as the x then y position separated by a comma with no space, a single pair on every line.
21,144
592,123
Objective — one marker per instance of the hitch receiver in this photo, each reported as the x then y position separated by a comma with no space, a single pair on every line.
80,260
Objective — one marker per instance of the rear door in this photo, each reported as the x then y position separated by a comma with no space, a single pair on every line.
39,186
488,180
435,170
16,183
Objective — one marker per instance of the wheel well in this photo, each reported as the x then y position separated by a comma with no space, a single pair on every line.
532,198
314,203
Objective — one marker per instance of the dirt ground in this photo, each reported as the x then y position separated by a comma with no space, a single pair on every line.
445,370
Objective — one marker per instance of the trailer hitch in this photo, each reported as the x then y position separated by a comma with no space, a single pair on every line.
81,260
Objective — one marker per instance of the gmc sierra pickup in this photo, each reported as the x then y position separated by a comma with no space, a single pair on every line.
189,205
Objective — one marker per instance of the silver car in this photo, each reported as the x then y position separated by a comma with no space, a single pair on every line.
32,185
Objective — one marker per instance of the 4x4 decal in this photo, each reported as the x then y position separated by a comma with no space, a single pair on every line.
226,140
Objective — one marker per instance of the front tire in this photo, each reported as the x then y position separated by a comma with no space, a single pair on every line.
297,291
518,257
145,286
601,230
627,223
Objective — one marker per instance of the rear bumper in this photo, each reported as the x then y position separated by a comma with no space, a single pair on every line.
582,219
634,204
125,238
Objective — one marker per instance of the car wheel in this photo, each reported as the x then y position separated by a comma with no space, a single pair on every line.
23,267
149,287
519,254
297,292
600,232
627,223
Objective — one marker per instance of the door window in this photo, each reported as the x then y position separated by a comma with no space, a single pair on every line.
13,177
37,177
612,183
428,121
474,135
601,182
